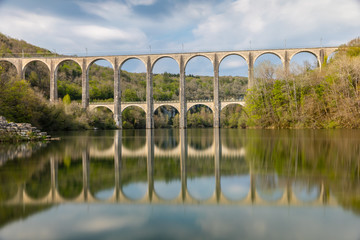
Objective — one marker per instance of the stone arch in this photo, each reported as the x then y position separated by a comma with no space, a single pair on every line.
27,62
39,72
273,53
68,59
197,55
129,121
167,119
209,104
134,105
227,104
131,58
102,106
167,104
232,54
90,63
164,57
56,75
307,51
9,65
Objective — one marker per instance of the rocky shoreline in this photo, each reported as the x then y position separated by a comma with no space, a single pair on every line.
15,132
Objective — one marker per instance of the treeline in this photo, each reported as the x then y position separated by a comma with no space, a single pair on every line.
326,98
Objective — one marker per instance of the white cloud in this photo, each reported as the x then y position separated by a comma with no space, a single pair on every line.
99,33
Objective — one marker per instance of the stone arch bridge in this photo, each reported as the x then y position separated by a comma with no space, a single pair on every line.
149,61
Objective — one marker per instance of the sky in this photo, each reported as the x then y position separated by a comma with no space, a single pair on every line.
109,27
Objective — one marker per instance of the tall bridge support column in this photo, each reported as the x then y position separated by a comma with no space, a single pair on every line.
216,93
117,96
287,64
182,97
85,97
149,96
53,83
19,68
251,78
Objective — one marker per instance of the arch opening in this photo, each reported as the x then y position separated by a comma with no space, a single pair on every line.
133,117
101,81
7,71
235,187
37,74
233,77
166,139
134,139
269,188
306,192
69,80
133,80
199,79
303,62
199,116
200,139
133,174
70,177
166,76
231,116
200,184
39,184
268,67
102,178
167,184
102,117
166,117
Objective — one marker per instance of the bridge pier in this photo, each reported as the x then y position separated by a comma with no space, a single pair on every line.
117,96
251,78
53,83
85,96
149,96
216,94
182,95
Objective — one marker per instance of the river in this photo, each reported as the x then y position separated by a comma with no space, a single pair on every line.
183,184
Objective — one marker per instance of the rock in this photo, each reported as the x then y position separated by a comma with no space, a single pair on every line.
10,131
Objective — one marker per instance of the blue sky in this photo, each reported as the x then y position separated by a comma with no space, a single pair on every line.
108,27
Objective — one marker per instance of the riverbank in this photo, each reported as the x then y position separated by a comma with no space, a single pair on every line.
17,132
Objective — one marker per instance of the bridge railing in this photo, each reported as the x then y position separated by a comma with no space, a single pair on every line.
171,101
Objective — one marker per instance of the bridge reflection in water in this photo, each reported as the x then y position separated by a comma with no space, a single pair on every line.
258,189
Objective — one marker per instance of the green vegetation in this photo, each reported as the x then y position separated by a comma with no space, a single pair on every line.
312,99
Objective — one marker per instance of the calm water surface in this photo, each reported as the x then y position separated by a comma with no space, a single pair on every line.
194,184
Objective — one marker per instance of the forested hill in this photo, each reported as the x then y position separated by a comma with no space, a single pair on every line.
133,85
11,47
